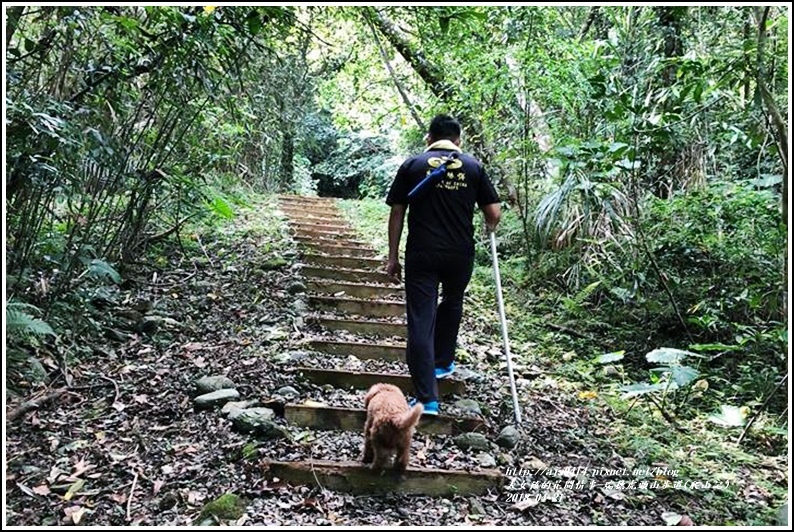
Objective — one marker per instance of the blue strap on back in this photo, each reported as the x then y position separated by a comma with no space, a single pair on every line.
432,178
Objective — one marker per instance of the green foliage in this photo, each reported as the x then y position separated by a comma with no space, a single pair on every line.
22,325
226,507
360,166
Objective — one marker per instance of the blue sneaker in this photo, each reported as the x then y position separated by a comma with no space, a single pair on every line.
431,408
445,372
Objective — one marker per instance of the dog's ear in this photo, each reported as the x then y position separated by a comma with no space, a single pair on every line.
373,391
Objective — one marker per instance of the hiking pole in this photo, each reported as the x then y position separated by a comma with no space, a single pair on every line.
500,301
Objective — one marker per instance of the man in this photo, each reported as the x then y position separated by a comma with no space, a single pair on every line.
439,251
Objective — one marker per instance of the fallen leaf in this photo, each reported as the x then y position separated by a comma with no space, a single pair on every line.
200,362
671,518
26,490
421,456
81,467
119,498
158,485
314,404
618,495
42,490
118,405
100,435
73,489
167,469
75,513
141,398
589,394
527,502
55,472
78,515
193,346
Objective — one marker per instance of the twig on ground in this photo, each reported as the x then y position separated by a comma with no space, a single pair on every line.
33,404
115,387
198,239
132,492
761,410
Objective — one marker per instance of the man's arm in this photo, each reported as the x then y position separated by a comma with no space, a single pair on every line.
492,213
396,218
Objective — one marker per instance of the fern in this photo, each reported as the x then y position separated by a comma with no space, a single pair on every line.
20,324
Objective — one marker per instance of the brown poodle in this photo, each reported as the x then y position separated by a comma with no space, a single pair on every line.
390,426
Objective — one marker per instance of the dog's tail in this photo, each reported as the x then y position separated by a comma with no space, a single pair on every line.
411,417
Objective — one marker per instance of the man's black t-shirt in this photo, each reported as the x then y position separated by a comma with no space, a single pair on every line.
441,219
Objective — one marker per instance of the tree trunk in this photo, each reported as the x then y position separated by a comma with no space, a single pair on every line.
672,170
13,15
287,168
444,91
393,76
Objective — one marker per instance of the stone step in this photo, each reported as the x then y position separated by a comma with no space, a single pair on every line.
344,274
356,477
356,263
365,327
336,235
359,290
300,214
335,227
306,199
352,420
361,307
360,350
323,240
322,248
311,210
362,380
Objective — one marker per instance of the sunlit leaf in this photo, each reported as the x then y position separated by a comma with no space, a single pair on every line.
606,358
729,416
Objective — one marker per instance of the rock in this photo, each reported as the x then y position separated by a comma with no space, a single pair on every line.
469,406
353,363
610,371
213,383
534,464
476,507
290,254
504,459
299,306
281,358
297,356
116,335
148,324
328,388
509,437
471,440
235,406
220,397
782,515
258,420
168,501
296,287
494,355
251,415
288,392
466,374
486,460
34,370
274,264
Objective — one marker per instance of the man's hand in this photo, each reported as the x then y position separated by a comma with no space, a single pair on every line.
394,271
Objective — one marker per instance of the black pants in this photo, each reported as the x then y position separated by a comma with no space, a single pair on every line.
433,327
